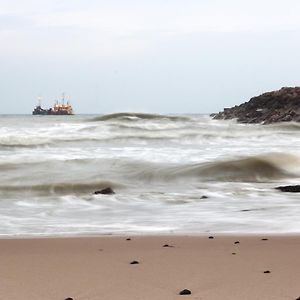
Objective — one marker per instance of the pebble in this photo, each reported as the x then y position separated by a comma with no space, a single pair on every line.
211,237
267,272
135,262
69,298
237,242
185,292
167,246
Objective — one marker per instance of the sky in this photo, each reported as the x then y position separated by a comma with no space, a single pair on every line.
156,56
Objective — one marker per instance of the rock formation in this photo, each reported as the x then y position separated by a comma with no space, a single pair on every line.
272,107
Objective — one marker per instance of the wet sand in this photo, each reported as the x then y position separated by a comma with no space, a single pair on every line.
93,268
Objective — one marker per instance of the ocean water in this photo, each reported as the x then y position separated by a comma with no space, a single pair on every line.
171,174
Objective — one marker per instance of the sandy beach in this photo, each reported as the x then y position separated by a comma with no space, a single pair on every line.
90,268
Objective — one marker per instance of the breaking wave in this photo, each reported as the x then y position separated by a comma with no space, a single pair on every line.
80,176
59,188
250,169
127,116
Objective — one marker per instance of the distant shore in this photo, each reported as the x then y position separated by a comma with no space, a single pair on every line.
219,267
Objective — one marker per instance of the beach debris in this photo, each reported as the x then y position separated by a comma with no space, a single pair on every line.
185,292
233,253
106,191
134,262
264,239
267,272
237,242
289,188
211,237
128,239
167,246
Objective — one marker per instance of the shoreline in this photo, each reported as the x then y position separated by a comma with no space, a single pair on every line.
100,267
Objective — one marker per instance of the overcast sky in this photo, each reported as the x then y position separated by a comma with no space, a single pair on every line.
164,56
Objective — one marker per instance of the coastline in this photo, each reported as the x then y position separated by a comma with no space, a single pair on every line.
99,267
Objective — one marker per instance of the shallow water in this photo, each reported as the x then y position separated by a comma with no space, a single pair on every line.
160,168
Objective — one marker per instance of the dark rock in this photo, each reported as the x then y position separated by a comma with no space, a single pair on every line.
106,191
233,253
267,272
244,210
211,237
298,298
134,262
264,239
237,242
185,292
289,188
167,246
271,107
204,197
69,299
128,239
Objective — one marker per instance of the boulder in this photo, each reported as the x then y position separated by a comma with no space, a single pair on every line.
106,191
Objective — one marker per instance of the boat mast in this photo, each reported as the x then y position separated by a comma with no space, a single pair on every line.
63,98
39,98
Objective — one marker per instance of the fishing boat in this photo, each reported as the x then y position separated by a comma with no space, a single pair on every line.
59,108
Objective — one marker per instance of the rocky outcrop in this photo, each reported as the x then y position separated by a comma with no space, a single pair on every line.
272,107
289,188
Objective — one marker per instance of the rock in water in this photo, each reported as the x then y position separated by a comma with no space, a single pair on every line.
272,107
185,292
289,188
106,191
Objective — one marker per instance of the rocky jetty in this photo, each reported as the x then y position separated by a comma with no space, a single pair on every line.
271,107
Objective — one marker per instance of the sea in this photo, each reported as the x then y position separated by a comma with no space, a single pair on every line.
171,174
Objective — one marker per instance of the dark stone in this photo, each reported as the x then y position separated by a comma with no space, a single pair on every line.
134,262
211,237
271,107
167,246
185,292
204,197
264,239
237,242
233,253
244,210
106,191
289,188
69,299
267,272
298,298
128,239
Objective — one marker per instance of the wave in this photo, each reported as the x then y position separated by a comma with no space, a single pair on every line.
260,168
250,169
295,126
129,116
60,188
84,176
